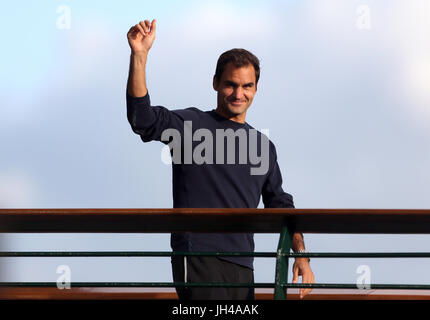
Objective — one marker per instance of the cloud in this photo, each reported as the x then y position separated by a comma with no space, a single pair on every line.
397,43
410,30
417,82
16,190
223,20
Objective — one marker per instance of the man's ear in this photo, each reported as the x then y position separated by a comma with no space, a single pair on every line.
215,84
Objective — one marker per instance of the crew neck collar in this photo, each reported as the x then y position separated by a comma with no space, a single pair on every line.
227,121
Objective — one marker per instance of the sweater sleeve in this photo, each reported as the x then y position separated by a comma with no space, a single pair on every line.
150,121
273,194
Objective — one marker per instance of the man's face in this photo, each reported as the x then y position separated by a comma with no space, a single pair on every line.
236,90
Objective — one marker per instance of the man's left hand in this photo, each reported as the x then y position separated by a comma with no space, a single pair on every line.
302,268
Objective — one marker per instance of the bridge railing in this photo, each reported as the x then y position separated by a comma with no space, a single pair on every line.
281,221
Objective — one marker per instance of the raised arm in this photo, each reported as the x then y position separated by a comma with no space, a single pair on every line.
140,38
146,120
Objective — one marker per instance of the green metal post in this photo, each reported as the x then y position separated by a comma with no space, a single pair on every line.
281,276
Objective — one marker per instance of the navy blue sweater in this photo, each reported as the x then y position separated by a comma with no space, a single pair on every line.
217,185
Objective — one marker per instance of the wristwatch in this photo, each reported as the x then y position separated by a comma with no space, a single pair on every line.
304,251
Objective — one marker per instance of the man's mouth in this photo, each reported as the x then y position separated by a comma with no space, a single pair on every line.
237,103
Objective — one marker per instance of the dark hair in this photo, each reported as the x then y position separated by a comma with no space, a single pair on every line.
239,58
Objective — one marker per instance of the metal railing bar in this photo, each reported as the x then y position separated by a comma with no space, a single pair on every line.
129,254
361,255
206,284
253,254
360,286
138,284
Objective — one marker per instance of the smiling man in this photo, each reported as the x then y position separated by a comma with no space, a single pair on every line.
212,184
235,81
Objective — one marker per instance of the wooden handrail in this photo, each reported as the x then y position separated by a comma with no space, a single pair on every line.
84,293
402,221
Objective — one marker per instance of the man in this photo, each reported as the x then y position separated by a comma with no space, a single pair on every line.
210,183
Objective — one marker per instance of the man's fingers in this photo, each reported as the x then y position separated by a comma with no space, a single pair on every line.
153,26
307,279
295,275
132,31
144,26
302,293
139,27
147,24
306,292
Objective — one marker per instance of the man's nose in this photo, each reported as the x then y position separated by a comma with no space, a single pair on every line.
238,93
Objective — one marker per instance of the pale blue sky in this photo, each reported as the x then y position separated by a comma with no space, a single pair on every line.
347,108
